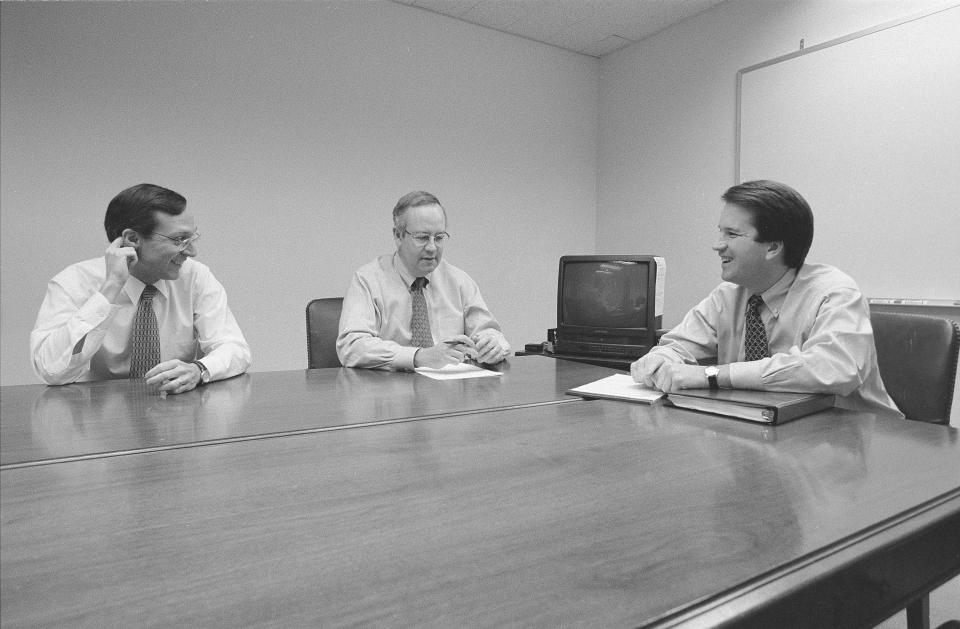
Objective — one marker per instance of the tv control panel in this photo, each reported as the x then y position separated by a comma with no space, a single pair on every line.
600,349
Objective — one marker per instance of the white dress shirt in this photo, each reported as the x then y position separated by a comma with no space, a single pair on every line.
375,322
819,333
80,336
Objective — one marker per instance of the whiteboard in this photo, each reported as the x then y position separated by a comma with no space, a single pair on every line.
867,129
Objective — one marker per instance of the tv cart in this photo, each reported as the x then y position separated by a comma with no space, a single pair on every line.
614,362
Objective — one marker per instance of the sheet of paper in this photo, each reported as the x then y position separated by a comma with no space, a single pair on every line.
618,386
456,372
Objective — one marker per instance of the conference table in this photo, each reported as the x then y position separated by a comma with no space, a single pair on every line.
43,424
341,497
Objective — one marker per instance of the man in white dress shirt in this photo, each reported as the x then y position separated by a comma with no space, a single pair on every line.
777,322
84,326
378,326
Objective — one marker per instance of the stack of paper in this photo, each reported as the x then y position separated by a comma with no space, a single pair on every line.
456,372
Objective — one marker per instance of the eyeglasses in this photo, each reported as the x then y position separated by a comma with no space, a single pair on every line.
182,242
422,239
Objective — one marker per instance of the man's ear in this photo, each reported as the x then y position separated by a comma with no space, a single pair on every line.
775,248
131,238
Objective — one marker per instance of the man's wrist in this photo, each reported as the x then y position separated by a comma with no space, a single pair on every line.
204,376
712,372
723,377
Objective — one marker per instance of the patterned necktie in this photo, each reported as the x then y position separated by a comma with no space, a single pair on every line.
145,337
420,321
755,335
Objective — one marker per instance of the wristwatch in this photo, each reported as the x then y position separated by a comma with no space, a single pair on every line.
712,372
204,373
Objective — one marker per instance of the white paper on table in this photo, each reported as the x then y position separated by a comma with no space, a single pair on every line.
618,387
456,372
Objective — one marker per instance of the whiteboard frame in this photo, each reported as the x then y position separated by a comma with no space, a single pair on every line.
806,51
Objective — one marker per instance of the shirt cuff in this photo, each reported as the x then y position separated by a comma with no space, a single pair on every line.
747,375
96,309
404,358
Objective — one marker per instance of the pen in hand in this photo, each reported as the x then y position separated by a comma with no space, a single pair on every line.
469,351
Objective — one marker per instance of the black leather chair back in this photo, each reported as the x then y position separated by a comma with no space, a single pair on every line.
917,355
323,323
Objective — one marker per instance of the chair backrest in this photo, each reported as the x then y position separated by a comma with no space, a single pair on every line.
917,355
323,323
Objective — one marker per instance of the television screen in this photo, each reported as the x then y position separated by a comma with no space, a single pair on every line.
605,294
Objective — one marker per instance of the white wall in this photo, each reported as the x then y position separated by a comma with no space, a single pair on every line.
667,128
292,129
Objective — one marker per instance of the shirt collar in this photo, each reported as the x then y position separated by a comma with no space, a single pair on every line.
405,275
134,288
774,296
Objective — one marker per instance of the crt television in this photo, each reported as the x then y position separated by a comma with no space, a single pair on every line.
609,305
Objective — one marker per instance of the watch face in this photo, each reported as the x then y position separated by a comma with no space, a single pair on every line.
712,371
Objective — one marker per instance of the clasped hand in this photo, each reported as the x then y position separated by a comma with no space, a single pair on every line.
174,376
482,348
663,374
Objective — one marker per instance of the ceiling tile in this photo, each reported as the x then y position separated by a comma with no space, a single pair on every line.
590,27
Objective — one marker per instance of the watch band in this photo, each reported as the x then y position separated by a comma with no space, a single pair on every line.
712,373
204,372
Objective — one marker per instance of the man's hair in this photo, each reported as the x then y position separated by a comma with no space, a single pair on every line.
410,200
779,213
134,209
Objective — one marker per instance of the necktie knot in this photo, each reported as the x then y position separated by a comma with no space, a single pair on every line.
754,303
419,284
149,292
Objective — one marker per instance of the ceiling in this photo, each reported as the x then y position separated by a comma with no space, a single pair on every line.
590,27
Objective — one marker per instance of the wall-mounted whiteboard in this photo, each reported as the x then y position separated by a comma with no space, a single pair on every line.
867,129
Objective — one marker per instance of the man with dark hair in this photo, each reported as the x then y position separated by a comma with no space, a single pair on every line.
145,309
777,323
413,309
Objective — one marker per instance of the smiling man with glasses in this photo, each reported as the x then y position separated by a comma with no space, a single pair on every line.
144,309
412,308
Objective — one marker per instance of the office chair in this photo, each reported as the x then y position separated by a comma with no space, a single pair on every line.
323,323
917,356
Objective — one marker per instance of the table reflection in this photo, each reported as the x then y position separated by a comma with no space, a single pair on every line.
126,415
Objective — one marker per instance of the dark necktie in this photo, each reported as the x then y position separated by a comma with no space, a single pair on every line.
420,321
755,335
145,337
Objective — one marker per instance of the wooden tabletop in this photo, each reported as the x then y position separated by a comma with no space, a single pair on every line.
43,424
579,514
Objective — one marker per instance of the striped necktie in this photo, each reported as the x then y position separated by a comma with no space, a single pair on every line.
420,321
755,335
145,337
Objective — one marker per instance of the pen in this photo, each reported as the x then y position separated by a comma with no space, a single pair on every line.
466,358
